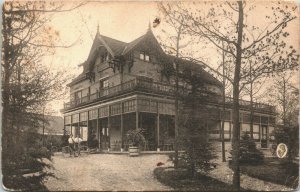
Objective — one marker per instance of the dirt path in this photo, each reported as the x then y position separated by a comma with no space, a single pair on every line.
106,172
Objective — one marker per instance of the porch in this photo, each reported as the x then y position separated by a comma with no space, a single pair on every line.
107,125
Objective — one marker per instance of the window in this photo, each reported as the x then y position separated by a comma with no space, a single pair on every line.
75,118
103,111
129,106
83,116
144,56
104,83
147,58
93,114
116,109
67,120
78,95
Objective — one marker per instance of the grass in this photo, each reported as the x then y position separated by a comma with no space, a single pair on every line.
180,180
275,171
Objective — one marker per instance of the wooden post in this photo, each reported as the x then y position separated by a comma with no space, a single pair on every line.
267,134
136,115
108,131
122,131
87,126
71,125
157,122
99,132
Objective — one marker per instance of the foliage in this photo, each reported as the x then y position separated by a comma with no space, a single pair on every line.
31,161
274,171
193,140
248,151
135,137
27,85
181,180
93,142
289,136
231,27
285,96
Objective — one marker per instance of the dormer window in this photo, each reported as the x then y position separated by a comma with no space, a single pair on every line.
147,58
144,56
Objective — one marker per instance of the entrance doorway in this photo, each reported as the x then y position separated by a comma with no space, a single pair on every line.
148,123
264,136
104,134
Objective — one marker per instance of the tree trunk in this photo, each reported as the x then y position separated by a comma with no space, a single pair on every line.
236,93
6,77
223,111
251,103
176,101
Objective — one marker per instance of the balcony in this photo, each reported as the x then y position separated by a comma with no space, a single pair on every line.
260,107
132,85
146,86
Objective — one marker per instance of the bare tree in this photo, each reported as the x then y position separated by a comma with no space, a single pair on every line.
230,24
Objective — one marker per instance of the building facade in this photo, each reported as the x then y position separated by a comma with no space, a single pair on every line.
126,86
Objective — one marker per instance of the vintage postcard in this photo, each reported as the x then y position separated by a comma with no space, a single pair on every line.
150,95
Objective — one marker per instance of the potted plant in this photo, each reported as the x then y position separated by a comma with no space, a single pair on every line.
135,139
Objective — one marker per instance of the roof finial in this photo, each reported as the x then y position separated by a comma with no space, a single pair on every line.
149,26
98,32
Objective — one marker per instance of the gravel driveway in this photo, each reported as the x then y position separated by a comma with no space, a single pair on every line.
106,172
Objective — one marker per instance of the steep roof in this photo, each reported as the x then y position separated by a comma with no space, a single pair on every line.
118,48
183,64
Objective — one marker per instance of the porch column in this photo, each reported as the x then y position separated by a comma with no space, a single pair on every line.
87,126
122,129
108,130
99,132
71,125
260,130
268,132
157,122
136,115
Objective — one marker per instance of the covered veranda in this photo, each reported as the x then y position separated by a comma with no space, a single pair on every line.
109,123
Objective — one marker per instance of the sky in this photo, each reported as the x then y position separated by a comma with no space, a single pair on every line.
123,21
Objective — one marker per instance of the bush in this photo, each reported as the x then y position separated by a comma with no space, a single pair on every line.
26,162
248,151
289,136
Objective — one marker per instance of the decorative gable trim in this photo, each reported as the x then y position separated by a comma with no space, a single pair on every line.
106,46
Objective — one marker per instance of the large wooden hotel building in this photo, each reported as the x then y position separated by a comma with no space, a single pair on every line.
124,86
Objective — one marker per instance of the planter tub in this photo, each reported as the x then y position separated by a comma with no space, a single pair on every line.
133,151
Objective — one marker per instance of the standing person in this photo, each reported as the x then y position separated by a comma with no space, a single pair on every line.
71,145
77,144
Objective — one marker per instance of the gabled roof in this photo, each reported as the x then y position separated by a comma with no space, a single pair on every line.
132,44
118,48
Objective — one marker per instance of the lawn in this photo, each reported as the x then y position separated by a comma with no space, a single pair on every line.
179,180
274,170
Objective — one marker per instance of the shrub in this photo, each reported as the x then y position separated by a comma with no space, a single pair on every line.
193,140
135,137
289,136
248,151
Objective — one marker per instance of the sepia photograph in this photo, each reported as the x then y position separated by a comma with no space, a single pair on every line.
150,95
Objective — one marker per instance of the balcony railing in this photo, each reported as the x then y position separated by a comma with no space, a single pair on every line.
158,88
135,84
247,105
